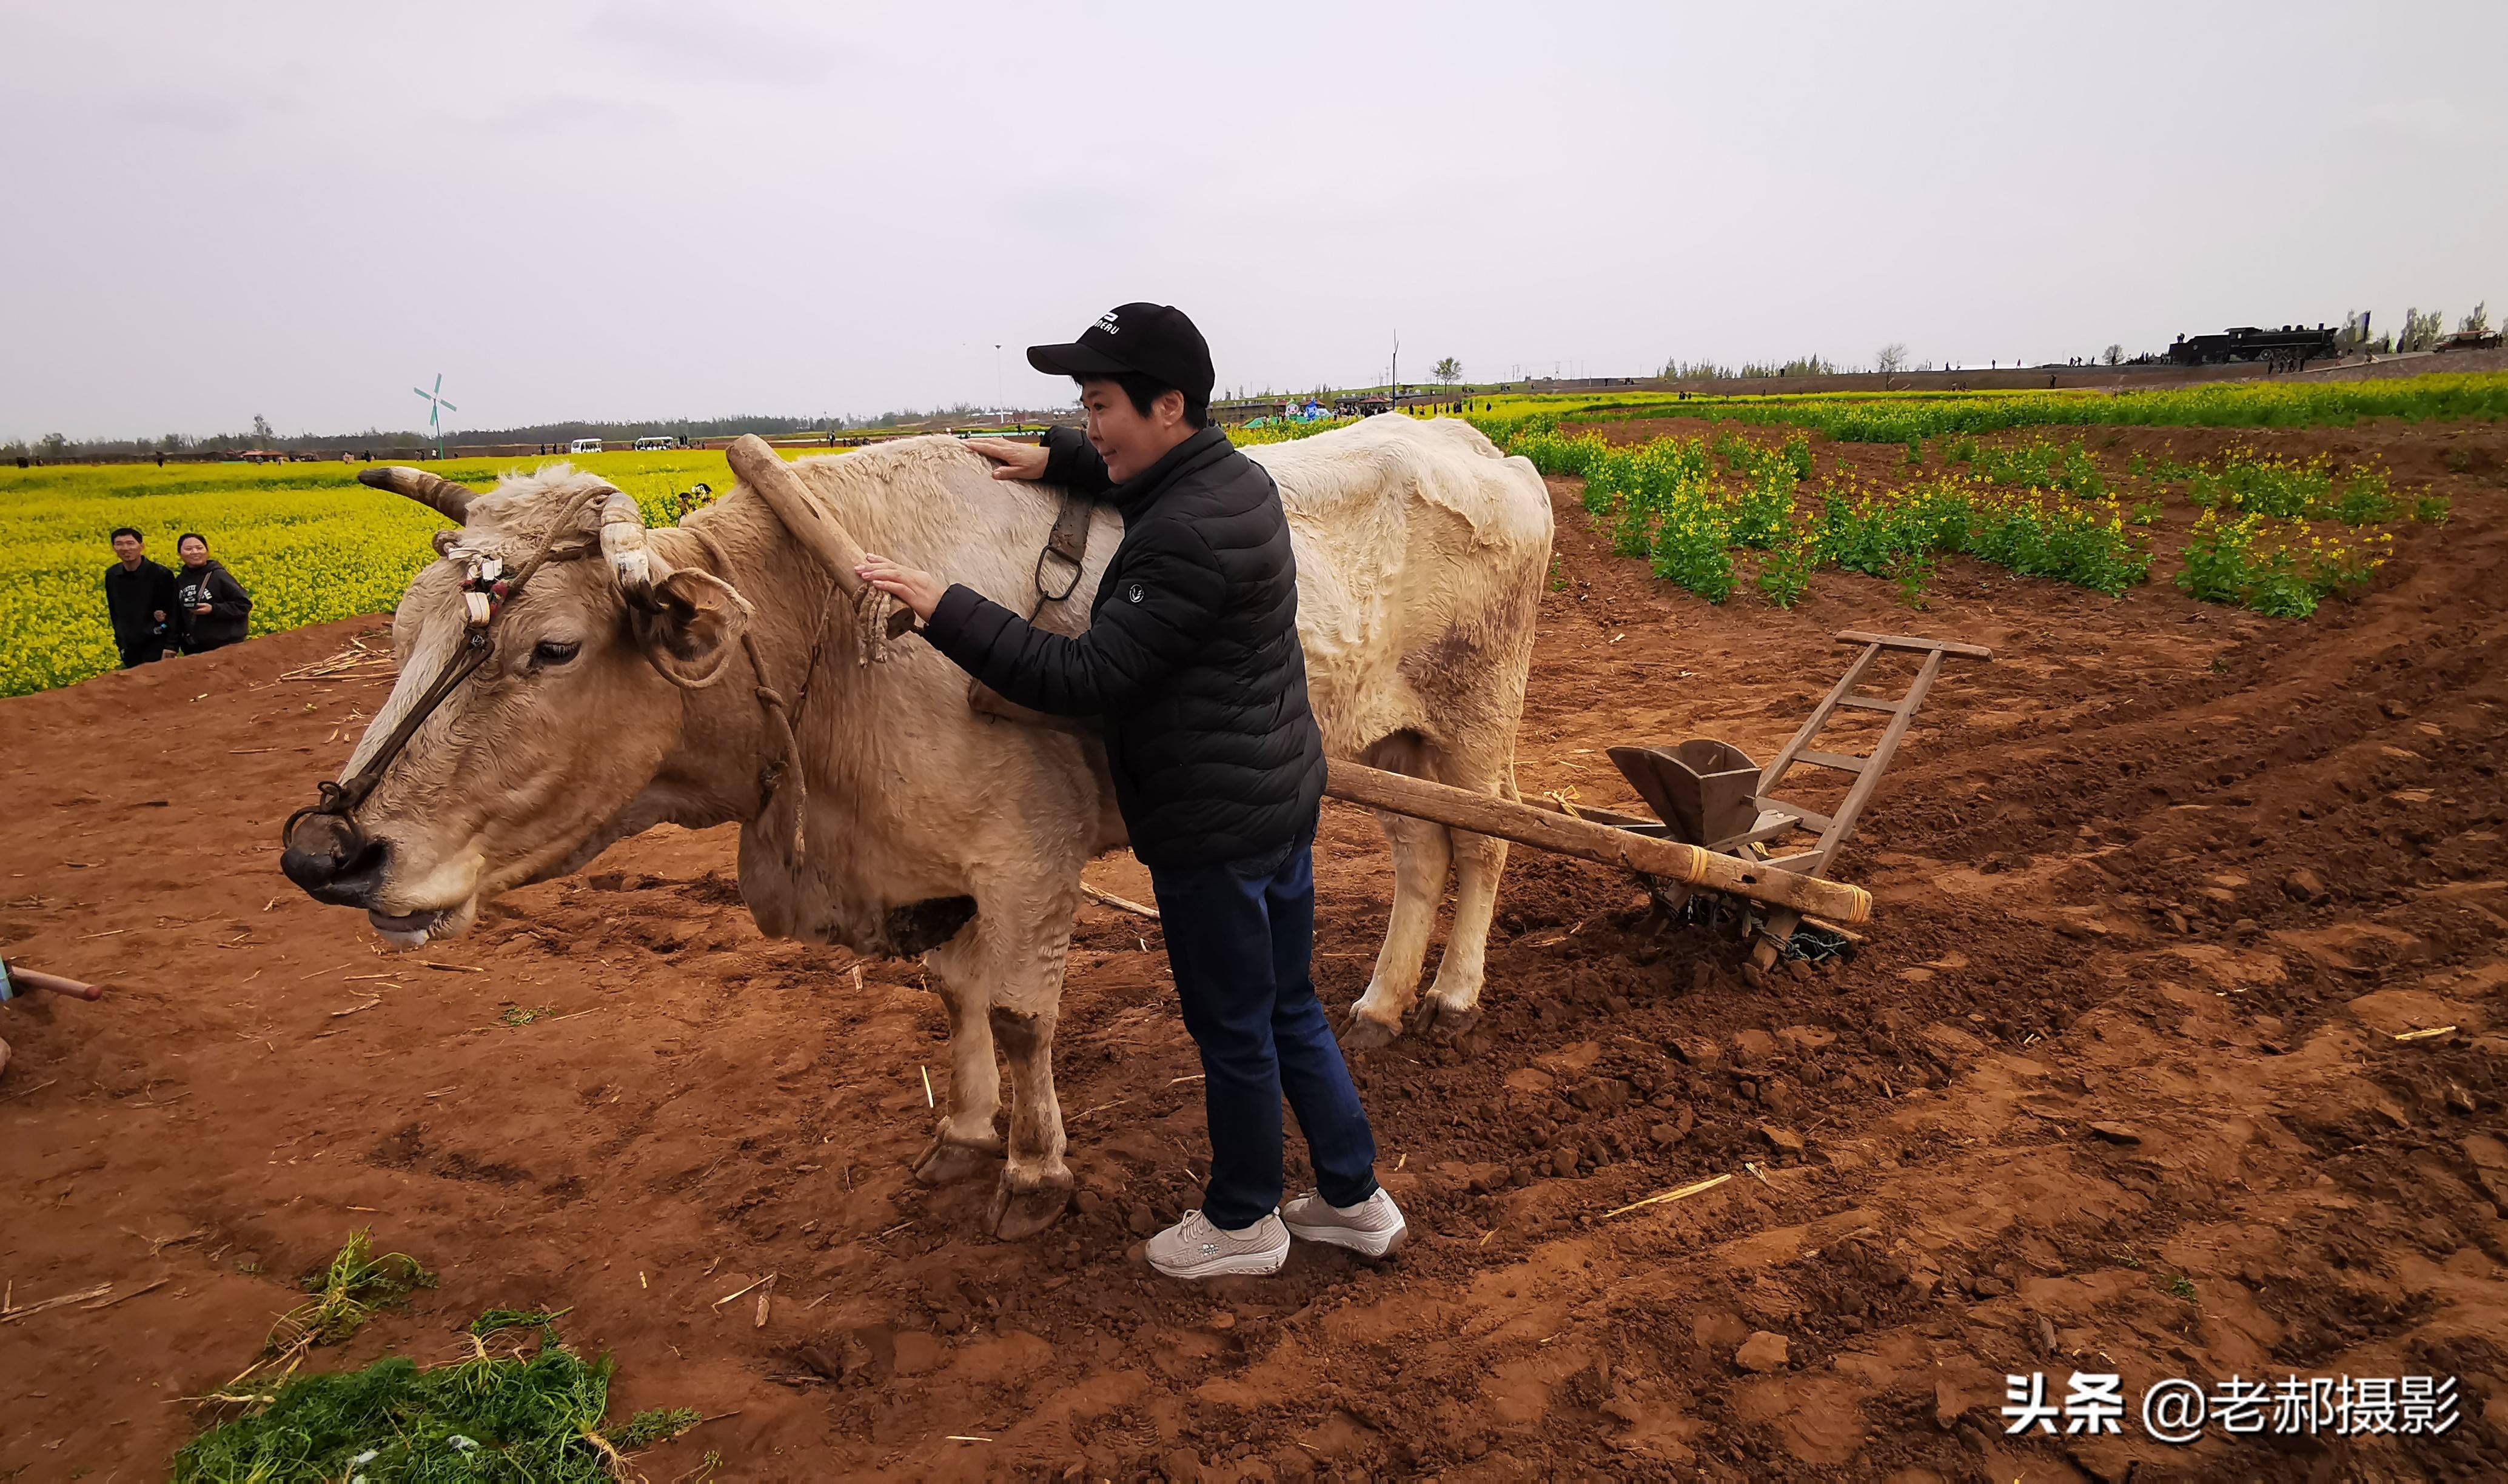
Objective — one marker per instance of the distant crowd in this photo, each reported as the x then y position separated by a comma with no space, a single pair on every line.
157,614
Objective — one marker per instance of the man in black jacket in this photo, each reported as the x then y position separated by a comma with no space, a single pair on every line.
211,609
1191,667
139,598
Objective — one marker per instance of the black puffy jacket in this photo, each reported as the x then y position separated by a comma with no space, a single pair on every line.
230,607
1191,661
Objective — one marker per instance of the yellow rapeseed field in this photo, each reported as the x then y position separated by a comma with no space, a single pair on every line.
308,541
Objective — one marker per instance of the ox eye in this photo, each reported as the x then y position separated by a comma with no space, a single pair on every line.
553,652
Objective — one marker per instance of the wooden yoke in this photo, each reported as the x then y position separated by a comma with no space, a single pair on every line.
1507,819
758,466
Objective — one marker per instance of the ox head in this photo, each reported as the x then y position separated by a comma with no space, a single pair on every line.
526,767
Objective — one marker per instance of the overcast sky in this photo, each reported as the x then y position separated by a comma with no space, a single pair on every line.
639,208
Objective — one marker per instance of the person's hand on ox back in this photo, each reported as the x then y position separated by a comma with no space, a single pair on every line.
920,591
1011,460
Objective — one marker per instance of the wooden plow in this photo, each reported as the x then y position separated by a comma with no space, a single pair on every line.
1724,849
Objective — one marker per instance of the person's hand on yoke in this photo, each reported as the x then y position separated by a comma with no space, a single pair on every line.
918,591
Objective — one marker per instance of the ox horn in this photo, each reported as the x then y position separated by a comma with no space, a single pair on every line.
622,544
441,495
762,469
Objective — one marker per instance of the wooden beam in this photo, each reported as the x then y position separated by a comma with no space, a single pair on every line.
1485,815
1904,641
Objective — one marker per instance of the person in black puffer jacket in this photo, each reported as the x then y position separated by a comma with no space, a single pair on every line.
211,609
1193,668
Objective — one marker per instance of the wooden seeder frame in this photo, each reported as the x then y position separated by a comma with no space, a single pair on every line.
1716,822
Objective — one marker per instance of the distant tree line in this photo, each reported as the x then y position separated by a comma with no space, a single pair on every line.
1679,369
55,445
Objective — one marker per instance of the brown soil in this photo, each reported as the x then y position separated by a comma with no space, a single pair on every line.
2177,870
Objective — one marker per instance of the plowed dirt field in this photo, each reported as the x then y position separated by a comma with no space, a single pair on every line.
2114,1085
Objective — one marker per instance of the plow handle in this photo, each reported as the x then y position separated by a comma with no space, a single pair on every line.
1507,819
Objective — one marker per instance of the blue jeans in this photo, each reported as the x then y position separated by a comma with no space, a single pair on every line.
1240,937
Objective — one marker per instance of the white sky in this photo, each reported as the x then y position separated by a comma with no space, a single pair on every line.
636,208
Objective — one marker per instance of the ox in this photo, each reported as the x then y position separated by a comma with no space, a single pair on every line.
721,670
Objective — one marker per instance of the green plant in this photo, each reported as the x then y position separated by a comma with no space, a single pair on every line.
1763,510
347,1292
2361,497
2143,513
2041,465
2431,510
528,1417
1911,570
1797,455
657,1424
2182,1286
494,1319
1785,573
2282,568
1692,550
1896,418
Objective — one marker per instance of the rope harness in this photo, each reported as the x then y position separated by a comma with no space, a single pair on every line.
783,752
486,592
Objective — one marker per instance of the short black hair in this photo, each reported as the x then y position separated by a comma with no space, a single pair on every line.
191,535
1142,389
120,531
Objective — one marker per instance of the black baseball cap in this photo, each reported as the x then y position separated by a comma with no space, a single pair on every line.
1155,340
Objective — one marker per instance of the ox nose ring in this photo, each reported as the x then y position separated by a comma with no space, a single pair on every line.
332,859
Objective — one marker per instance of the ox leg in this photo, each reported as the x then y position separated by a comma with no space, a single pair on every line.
1421,854
1035,1183
1454,999
1011,975
964,1143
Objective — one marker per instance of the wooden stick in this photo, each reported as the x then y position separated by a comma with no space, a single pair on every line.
736,1292
1685,1191
1118,903
1506,820
134,1293
56,1301
57,984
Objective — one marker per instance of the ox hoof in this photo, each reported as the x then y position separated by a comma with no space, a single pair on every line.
1360,1033
943,1162
1454,1023
1018,1214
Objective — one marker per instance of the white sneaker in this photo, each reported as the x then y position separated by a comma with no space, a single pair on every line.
1193,1248
1371,1228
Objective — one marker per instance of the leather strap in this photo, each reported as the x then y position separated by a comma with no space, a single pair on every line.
1067,541
1069,538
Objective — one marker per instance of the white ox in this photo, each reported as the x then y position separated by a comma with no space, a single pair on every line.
625,693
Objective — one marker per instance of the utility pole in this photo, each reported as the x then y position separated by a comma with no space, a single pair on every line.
1397,366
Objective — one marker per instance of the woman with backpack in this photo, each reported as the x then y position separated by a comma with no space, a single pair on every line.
210,607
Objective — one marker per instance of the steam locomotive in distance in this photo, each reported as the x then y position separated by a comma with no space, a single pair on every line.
2289,347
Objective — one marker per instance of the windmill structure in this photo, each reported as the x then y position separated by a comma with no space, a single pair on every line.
436,407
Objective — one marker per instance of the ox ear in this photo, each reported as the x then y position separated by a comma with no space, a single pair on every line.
689,624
